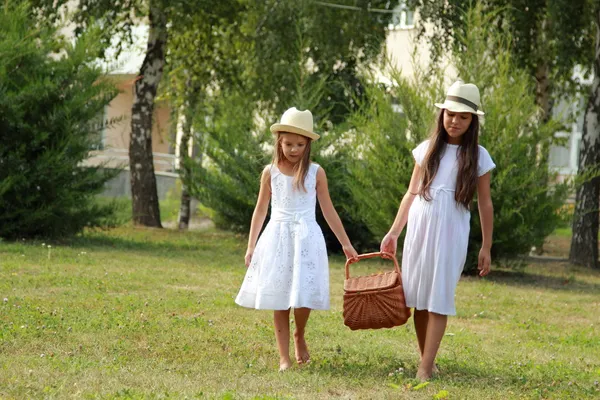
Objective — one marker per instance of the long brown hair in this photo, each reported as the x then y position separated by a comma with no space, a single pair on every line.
468,156
301,167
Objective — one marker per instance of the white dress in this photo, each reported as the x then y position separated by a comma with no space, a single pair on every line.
437,236
289,268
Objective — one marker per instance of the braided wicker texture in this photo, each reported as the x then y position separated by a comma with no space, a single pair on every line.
374,301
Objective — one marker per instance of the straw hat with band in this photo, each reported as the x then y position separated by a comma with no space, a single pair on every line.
462,97
296,121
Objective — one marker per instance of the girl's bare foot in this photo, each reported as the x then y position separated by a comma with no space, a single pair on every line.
434,370
285,364
302,355
423,375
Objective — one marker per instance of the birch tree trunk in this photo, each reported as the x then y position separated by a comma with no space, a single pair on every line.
143,180
184,171
542,72
542,92
584,243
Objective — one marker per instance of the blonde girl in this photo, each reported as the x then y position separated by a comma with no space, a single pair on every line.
288,266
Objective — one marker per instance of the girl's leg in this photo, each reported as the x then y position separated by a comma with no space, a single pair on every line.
420,318
436,326
282,335
301,318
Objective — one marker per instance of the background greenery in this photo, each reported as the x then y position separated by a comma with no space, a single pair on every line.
50,98
368,156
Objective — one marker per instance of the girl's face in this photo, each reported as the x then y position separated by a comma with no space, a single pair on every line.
456,124
293,146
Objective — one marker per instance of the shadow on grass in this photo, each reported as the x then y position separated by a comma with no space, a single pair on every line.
377,368
159,242
456,373
570,281
395,371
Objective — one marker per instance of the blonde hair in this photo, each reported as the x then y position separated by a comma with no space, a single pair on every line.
300,168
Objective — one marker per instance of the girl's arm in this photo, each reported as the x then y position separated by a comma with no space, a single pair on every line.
331,216
260,213
486,215
390,241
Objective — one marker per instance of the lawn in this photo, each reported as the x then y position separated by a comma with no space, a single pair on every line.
142,313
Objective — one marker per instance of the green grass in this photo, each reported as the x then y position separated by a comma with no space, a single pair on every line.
564,232
141,313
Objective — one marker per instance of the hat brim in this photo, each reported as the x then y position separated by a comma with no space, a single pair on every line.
276,128
458,107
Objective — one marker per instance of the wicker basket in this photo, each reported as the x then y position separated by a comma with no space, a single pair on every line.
374,301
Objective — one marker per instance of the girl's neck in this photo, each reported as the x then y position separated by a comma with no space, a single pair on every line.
285,163
454,141
288,168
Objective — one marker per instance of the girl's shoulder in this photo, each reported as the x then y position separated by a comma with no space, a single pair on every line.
424,144
483,151
420,151
315,169
266,173
484,162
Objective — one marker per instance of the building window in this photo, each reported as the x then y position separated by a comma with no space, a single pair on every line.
560,157
402,17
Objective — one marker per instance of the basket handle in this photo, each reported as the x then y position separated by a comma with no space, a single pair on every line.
388,256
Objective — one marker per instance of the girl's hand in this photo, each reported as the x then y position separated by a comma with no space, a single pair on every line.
350,252
485,261
389,244
248,256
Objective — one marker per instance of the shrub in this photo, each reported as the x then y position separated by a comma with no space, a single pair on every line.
526,202
50,99
229,178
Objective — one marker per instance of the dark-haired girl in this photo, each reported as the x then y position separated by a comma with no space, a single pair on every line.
449,168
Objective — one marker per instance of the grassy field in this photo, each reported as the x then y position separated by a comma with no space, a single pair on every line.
138,313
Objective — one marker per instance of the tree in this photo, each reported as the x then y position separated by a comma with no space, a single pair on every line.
118,18
141,162
526,200
201,58
50,98
338,43
551,38
584,243
281,48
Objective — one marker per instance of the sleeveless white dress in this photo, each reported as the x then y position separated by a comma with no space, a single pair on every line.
437,236
289,268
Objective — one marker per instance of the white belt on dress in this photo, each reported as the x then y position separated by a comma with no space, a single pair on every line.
442,189
299,217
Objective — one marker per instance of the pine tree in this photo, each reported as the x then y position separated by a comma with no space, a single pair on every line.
51,95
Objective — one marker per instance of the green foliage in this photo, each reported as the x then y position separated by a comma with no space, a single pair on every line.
50,99
338,42
557,32
382,139
527,203
368,159
238,145
229,180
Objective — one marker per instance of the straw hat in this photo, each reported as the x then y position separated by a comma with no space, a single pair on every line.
296,121
462,97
